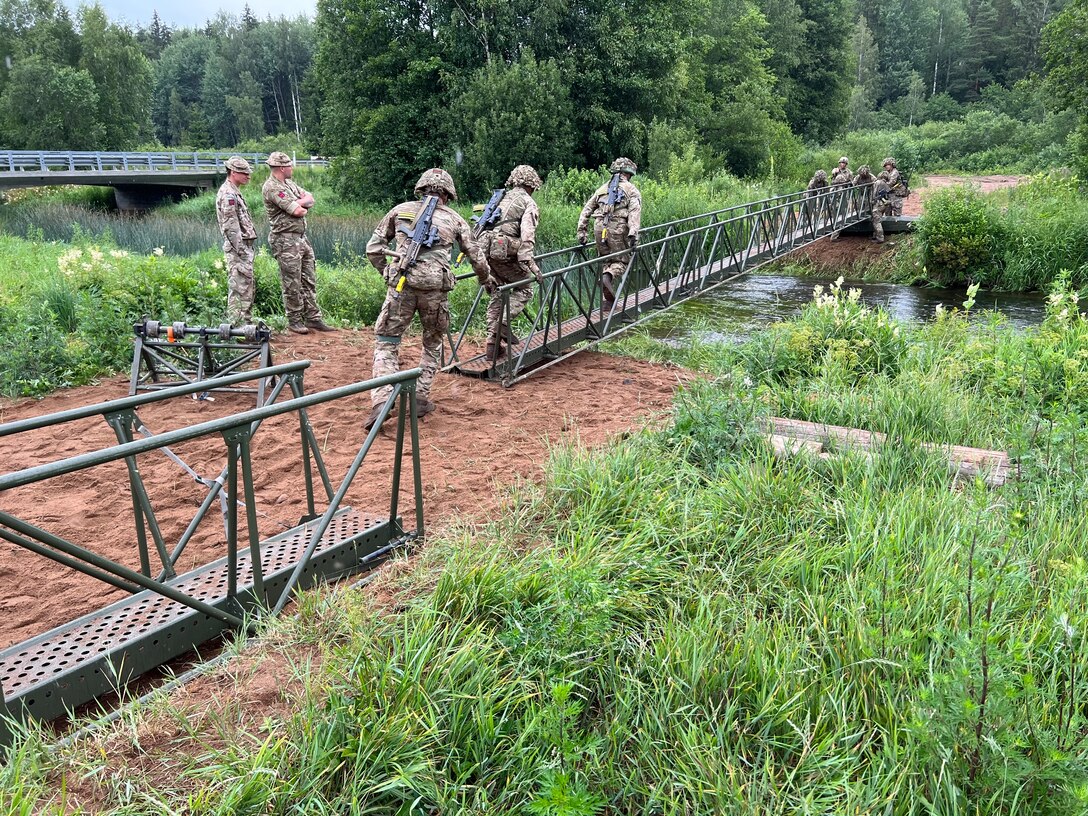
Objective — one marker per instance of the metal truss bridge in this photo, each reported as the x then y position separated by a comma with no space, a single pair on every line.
672,263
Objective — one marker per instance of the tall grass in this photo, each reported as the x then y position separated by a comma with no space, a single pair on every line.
684,623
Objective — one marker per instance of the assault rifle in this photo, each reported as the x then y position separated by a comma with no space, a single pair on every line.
488,217
422,233
616,196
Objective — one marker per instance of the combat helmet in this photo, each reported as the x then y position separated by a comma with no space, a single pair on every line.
278,159
821,175
238,165
888,161
864,170
436,179
844,160
524,176
623,165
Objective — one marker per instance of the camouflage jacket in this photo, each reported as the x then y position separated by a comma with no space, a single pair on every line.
893,180
815,186
519,219
280,198
432,268
233,216
841,176
628,211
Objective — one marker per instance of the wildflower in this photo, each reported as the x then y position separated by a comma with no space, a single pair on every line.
118,253
158,251
96,254
218,264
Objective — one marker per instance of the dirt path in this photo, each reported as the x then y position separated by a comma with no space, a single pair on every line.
482,439
914,204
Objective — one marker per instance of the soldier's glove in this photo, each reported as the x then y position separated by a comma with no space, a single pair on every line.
536,274
491,284
583,237
632,241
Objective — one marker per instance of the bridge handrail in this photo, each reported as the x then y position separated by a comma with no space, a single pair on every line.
43,161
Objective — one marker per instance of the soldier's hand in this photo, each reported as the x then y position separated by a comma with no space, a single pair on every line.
491,284
583,237
536,274
632,241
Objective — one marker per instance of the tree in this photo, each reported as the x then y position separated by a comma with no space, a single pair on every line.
48,106
863,95
179,81
816,108
122,76
246,108
519,114
1066,50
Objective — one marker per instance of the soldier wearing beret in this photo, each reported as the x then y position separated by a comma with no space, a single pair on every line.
287,205
239,238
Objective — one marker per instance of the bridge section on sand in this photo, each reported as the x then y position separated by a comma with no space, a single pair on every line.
673,262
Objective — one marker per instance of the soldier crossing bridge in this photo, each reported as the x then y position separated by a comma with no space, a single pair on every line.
672,263
140,181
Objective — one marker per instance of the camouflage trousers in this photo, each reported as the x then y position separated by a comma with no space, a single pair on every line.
895,205
877,220
612,269
241,289
397,311
298,277
519,297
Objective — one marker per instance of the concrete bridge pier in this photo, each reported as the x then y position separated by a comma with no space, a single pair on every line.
137,197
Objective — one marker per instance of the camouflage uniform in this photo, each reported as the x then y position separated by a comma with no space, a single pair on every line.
841,177
290,247
818,183
895,184
621,232
879,198
509,247
236,224
426,287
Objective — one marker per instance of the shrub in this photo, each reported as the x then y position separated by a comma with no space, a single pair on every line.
962,235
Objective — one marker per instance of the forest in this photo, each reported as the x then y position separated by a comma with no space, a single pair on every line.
390,86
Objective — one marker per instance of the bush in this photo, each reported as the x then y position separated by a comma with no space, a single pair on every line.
962,236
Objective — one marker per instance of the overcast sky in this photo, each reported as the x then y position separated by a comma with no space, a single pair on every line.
196,12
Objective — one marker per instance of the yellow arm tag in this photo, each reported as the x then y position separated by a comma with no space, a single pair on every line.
460,257
604,233
400,283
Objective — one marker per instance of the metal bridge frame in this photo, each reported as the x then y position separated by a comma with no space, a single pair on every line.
673,262
167,614
43,161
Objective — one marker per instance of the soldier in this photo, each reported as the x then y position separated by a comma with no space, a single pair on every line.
615,226
841,175
509,247
425,287
879,199
238,238
896,186
818,183
287,205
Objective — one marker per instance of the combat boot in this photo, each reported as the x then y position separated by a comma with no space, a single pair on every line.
318,324
375,414
511,338
492,352
298,328
424,406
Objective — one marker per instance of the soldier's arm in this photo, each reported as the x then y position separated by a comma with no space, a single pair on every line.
634,213
229,224
473,251
306,198
378,244
587,211
529,221
285,200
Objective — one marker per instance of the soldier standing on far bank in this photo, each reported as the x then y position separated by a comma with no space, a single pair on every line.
423,287
879,195
896,186
239,236
616,224
287,205
510,246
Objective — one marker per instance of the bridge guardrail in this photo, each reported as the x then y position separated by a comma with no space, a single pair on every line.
44,161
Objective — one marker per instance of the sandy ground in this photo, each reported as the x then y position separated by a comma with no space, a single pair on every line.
482,439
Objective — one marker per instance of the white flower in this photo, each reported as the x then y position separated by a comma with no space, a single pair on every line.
217,264
158,252
118,253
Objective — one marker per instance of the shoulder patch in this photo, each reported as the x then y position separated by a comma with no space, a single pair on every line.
230,200
283,195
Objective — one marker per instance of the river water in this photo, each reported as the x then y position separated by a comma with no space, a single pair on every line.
733,310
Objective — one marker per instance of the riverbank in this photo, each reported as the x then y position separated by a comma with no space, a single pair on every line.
683,622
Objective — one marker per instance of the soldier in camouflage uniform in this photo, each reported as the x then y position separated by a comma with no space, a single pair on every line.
896,185
509,247
425,288
287,205
621,231
841,177
879,199
818,183
238,239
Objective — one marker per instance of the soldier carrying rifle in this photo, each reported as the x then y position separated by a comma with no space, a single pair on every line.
617,210
418,279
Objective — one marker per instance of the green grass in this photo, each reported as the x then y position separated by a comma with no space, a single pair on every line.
683,623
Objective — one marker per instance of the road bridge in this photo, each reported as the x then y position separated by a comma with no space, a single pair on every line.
673,262
140,181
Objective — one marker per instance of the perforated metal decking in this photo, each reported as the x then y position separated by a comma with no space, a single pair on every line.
47,676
